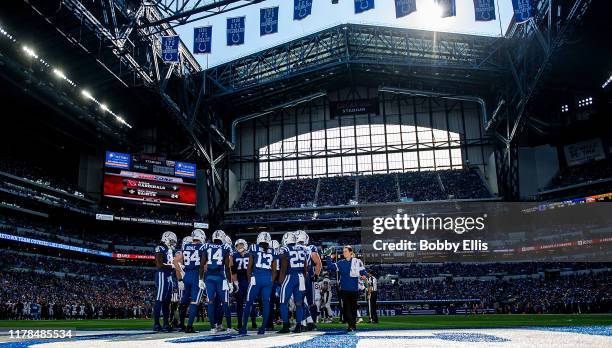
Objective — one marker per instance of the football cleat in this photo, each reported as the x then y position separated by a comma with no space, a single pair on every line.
189,329
285,329
157,328
298,328
261,331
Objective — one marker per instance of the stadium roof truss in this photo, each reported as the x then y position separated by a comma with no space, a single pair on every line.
420,58
124,38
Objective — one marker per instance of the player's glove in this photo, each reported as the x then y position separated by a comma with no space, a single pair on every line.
314,278
236,288
181,285
202,285
230,288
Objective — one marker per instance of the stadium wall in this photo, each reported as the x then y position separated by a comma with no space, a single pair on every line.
407,133
537,166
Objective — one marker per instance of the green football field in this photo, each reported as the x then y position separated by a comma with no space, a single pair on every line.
403,322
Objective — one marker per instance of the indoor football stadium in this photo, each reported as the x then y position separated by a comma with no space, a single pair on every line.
305,173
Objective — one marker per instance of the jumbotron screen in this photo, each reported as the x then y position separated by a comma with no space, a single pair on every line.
148,179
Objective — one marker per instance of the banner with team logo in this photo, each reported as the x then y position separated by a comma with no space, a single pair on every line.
170,49
202,39
484,10
235,31
363,5
301,9
268,21
449,9
404,7
523,11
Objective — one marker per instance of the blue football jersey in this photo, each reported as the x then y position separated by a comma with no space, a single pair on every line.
192,256
169,256
296,256
216,258
262,261
241,262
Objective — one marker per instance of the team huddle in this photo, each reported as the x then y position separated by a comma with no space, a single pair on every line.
265,273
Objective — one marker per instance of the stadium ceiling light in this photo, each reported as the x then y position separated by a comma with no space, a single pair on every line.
87,94
30,52
59,74
607,82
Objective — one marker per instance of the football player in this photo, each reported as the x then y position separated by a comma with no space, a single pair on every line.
293,280
240,260
314,270
182,308
163,279
217,272
191,283
261,271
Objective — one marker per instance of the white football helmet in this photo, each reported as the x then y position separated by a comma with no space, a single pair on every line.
289,238
228,240
275,245
218,235
264,237
301,237
169,239
241,245
186,240
198,234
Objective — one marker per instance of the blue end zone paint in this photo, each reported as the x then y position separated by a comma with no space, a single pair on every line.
342,339
209,338
587,330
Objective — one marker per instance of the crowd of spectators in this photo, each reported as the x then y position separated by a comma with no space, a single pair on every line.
420,186
73,236
71,297
74,267
257,195
297,193
576,293
336,190
583,173
35,174
463,184
377,188
425,270
154,212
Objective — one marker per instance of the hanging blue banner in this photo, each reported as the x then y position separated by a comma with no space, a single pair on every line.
404,7
235,31
363,5
523,11
202,40
170,49
268,21
448,8
484,10
301,9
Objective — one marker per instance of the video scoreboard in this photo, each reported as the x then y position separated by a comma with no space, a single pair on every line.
149,179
